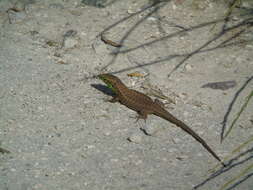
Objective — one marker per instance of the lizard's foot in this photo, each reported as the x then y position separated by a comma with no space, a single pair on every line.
112,100
137,118
140,117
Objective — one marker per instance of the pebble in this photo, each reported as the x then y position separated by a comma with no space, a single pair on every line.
151,129
75,12
247,4
130,11
19,5
95,3
107,133
70,33
177,140
13,170
56,6
16,17
188,67
174,7
152,18
70,43
136,138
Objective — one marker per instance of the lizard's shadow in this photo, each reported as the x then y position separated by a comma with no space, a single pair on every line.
104,89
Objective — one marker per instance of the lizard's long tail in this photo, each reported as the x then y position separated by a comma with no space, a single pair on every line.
169,117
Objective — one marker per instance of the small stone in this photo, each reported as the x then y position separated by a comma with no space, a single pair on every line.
129,11
247,4
95,3
76,12
70,43
16,17
136,138
177,140
19,6
174,7
188,67
70,33
151,129
152,18
90,146
56,6
107,133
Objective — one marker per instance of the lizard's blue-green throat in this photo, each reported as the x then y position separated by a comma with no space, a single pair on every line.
106,79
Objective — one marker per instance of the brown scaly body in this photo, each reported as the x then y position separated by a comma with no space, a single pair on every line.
144,105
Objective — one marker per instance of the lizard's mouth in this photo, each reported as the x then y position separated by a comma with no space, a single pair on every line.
103,78
107,82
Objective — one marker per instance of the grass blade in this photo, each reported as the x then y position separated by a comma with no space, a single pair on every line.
237,177
239,113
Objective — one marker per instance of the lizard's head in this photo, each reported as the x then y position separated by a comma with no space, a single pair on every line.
110,80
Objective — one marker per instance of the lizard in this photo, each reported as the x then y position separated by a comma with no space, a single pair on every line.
144,106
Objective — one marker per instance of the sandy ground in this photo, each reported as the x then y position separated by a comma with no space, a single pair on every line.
61,132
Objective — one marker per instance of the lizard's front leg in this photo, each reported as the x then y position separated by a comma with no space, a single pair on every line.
114,99
141,115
